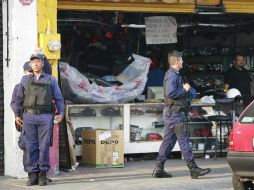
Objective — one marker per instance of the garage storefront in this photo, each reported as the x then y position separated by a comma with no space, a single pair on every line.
208,34
215,48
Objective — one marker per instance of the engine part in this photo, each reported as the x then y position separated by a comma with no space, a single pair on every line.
110,111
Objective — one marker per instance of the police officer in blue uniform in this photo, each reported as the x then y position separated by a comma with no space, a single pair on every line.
35,95
21,142
177,99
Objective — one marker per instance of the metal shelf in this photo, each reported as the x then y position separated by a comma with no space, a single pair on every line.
226,137
208,151
199,122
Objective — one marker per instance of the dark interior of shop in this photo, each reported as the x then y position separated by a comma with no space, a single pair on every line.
97,43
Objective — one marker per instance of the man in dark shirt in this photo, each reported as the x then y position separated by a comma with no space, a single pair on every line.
238,77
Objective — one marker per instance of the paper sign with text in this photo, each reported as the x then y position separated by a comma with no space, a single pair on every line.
160,30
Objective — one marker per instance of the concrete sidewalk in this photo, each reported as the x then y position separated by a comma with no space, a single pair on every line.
136,175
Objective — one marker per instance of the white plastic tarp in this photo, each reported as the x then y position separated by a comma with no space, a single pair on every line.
77,88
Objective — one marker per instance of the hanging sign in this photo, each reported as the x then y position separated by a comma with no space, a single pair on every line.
26,2
160,30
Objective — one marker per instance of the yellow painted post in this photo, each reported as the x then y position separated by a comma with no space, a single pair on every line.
48,38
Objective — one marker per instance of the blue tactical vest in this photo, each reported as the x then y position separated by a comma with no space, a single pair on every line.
38,95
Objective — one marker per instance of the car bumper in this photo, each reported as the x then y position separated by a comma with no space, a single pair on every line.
241,163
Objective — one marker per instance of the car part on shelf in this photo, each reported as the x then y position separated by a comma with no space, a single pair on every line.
137,112
87,112
110,111
135,133
155,111
158,124
153,137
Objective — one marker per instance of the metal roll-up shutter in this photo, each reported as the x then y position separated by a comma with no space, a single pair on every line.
1,97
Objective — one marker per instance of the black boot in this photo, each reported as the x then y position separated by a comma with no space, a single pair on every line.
42,179
32,179
195,171
159,170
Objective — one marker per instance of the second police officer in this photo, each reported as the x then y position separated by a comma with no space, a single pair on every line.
177,99
21,142
35,95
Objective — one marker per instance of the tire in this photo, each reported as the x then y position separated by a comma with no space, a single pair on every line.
239,185
249,185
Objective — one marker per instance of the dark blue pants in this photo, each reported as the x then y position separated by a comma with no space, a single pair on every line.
38,130
172,120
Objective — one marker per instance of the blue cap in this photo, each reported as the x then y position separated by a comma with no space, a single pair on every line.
37,56
27,67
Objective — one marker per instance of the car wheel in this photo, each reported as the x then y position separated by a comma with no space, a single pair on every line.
248,185
239,185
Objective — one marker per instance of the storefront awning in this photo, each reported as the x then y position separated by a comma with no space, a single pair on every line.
126,5
239,6
174,6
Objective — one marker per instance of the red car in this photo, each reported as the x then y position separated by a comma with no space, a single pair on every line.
241,150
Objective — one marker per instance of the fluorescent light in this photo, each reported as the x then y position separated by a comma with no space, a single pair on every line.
210,10
133,26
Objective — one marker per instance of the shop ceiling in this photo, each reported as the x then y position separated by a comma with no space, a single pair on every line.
171,6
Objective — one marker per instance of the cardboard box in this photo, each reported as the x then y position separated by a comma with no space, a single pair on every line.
102,148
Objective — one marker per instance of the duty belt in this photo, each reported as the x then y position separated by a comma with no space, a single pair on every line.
37,112
171,102
168,101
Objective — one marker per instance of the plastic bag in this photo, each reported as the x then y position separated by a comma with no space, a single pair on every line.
77,88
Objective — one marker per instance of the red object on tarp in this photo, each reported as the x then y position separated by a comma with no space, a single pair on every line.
54,152
26,2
